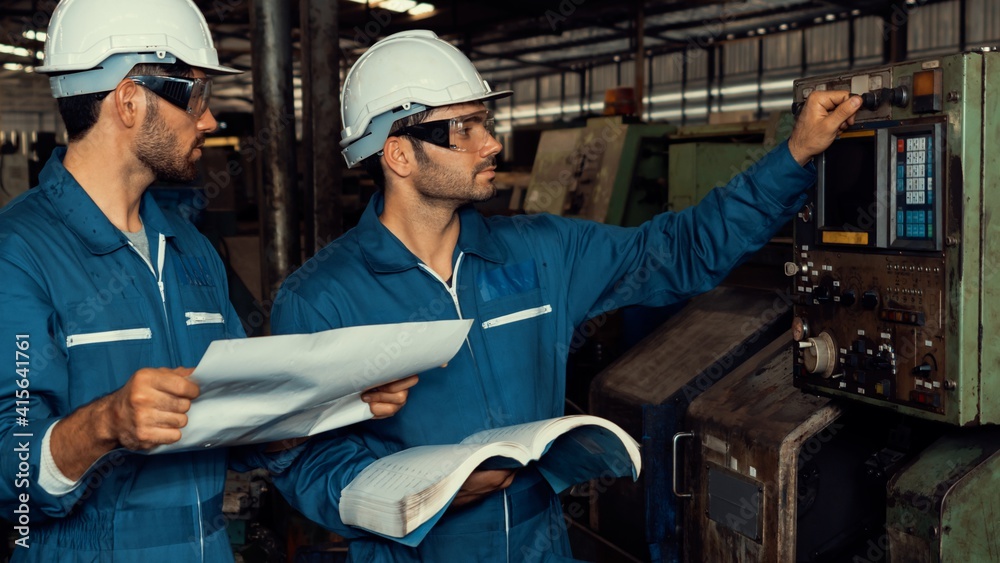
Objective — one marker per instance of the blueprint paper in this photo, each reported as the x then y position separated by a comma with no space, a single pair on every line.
278,387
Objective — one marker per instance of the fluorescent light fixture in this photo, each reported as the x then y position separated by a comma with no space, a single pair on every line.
34,35
12,50
421,9
13,66
411,7
397,5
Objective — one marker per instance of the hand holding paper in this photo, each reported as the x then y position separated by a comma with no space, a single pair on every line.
386,400
277,387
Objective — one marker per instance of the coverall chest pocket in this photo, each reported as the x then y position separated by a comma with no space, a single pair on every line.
105,345
514,328
204,316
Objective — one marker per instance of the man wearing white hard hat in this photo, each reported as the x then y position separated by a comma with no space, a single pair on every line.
99,284
414,116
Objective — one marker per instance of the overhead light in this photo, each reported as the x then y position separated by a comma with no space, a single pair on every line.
783,27
411,7
421,9
397,5
830,17
34,35
761,31
12,50
855,12
13,66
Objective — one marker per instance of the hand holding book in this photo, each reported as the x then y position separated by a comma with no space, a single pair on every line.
403,495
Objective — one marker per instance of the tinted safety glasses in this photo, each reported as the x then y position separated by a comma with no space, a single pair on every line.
189,94
467,133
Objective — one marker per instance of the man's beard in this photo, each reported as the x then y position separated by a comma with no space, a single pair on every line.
439,182
158,148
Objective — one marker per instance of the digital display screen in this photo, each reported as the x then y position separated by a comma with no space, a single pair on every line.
849,185
915,189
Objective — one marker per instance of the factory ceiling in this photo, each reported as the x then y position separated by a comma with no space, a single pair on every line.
508,39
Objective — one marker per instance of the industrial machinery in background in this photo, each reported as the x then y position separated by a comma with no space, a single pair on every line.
621,172
610,171
897,279
895,266
866,433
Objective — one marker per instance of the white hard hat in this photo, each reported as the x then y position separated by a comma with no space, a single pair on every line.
98,41
401,75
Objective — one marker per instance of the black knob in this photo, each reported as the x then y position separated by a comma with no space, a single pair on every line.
869,300
871,100
883,361
923,369
797,108
848,298
899,96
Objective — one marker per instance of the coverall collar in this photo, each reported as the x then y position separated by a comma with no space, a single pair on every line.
384,253
82,216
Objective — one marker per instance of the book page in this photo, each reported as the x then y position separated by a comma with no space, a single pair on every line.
524,434
589,452
399,495
410,471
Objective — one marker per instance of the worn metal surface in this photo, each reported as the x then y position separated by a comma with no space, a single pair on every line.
608,171
695,348
752,424
989,286
944,506
274,121
322,179
647,392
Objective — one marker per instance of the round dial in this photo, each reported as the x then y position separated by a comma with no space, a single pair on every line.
800,330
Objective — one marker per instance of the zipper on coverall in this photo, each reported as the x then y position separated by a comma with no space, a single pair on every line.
453,292
161,255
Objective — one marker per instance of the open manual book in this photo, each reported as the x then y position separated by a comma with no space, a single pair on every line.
401,496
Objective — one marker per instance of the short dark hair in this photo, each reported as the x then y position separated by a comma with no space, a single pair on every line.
80,113
373,164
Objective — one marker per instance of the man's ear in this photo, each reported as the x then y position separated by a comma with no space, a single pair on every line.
398,156
129,102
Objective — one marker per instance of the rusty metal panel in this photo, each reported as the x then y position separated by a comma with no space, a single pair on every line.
943,506
970,519
735,501
989,399
753,424
552,171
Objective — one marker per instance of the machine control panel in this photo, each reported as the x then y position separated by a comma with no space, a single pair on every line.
888,250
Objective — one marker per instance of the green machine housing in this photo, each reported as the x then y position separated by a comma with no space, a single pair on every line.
622,173
896,256
610,171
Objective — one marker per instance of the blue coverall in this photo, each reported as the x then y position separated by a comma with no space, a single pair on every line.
93,311
528,282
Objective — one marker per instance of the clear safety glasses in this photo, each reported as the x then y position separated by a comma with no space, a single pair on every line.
467,133
189,94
